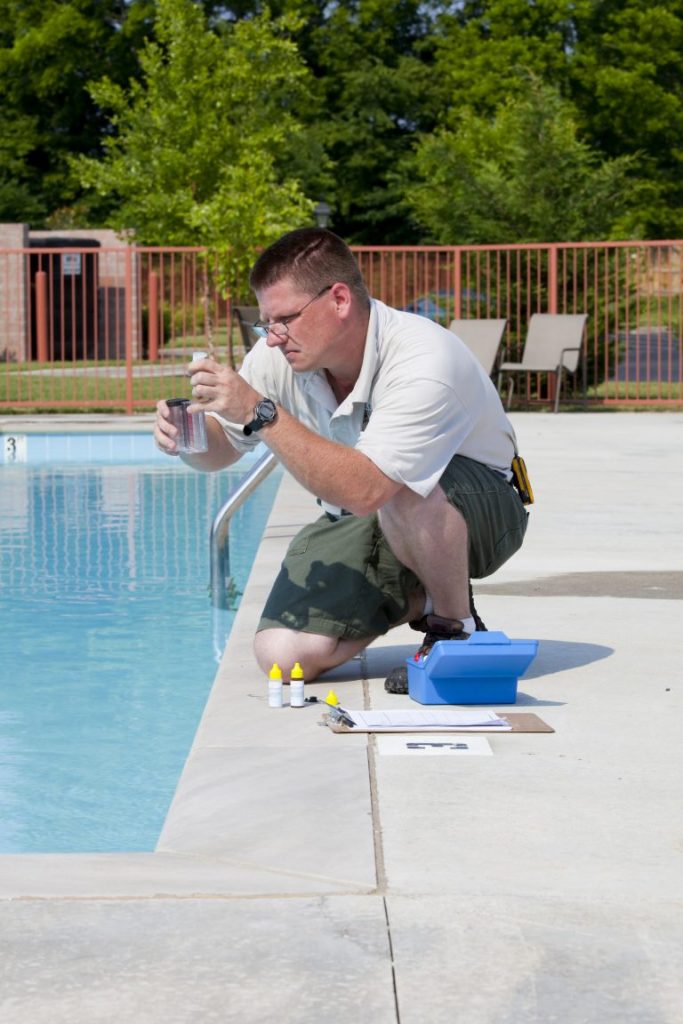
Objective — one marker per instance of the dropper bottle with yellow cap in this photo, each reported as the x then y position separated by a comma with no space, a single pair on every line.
296,687
275,686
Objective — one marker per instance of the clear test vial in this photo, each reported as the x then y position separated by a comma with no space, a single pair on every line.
177,408
197,439
196,432
191,426
192,439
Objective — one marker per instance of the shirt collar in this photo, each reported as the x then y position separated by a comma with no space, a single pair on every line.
360,395
363,386
315,382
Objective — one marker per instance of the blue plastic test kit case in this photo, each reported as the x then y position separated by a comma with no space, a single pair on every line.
481,670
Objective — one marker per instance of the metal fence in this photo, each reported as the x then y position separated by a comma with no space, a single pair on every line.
111,328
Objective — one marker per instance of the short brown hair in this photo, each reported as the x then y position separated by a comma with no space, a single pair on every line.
313,258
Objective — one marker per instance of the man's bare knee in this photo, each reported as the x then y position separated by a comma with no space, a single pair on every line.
314,652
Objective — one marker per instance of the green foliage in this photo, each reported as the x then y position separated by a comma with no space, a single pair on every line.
349,89
617,61
48,51
196,153
480,49
627,84
371,60
19,198
522,175
372,89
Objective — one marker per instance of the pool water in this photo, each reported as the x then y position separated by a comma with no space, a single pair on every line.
108,643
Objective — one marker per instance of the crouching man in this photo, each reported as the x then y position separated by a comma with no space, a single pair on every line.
391,423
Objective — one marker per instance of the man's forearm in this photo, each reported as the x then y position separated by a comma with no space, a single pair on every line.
334,472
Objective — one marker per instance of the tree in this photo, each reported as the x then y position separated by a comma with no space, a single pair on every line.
371,60
480,47
380,76
371,90
522,175
627,85
48,50
19,200
617,61
198,147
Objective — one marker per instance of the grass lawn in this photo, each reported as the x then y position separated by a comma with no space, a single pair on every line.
609,394
101,385
87,386
637,391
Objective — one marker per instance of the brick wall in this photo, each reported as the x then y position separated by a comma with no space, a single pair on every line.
15,297
13,293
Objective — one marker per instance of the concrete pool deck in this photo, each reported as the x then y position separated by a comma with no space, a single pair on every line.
305,876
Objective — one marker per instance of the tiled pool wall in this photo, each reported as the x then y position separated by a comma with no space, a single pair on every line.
78,447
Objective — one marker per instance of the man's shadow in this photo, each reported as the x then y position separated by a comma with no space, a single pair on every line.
366,610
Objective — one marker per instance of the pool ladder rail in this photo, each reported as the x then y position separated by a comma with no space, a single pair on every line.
220,528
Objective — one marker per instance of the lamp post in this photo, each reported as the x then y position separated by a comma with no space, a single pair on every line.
322,213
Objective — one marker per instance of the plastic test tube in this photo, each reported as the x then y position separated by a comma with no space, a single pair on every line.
197,441
191,426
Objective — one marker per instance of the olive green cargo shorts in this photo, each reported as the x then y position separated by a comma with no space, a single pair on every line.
340,578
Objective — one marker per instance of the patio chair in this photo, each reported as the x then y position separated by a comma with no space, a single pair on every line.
245,317
553,345
482,337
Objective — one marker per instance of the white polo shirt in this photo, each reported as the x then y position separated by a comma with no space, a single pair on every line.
421,397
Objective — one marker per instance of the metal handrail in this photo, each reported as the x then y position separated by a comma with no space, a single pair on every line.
220,528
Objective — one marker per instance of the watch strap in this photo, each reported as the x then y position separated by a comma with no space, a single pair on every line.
265,412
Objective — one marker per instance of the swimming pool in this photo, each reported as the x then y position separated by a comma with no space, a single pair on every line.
108,640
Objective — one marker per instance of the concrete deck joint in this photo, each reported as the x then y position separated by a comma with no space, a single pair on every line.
392,960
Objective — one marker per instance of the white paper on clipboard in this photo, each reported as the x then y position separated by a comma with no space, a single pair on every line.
431,719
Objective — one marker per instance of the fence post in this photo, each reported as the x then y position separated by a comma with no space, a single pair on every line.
457,285
153,318
41,317
552,279
229,324
128,318
552,305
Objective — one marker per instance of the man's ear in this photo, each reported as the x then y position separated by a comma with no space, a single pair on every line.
341,293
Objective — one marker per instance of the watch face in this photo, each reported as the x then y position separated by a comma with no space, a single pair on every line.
265,411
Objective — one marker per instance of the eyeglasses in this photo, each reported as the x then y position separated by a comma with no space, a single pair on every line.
280,328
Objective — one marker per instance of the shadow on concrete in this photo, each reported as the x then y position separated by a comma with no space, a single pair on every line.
553,656
352,671
528,700
658,586
559,655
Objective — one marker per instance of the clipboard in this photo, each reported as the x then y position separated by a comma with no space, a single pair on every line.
519,721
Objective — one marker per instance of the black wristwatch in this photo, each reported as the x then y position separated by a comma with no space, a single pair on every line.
265,412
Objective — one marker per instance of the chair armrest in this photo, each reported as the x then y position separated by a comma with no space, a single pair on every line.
578,349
